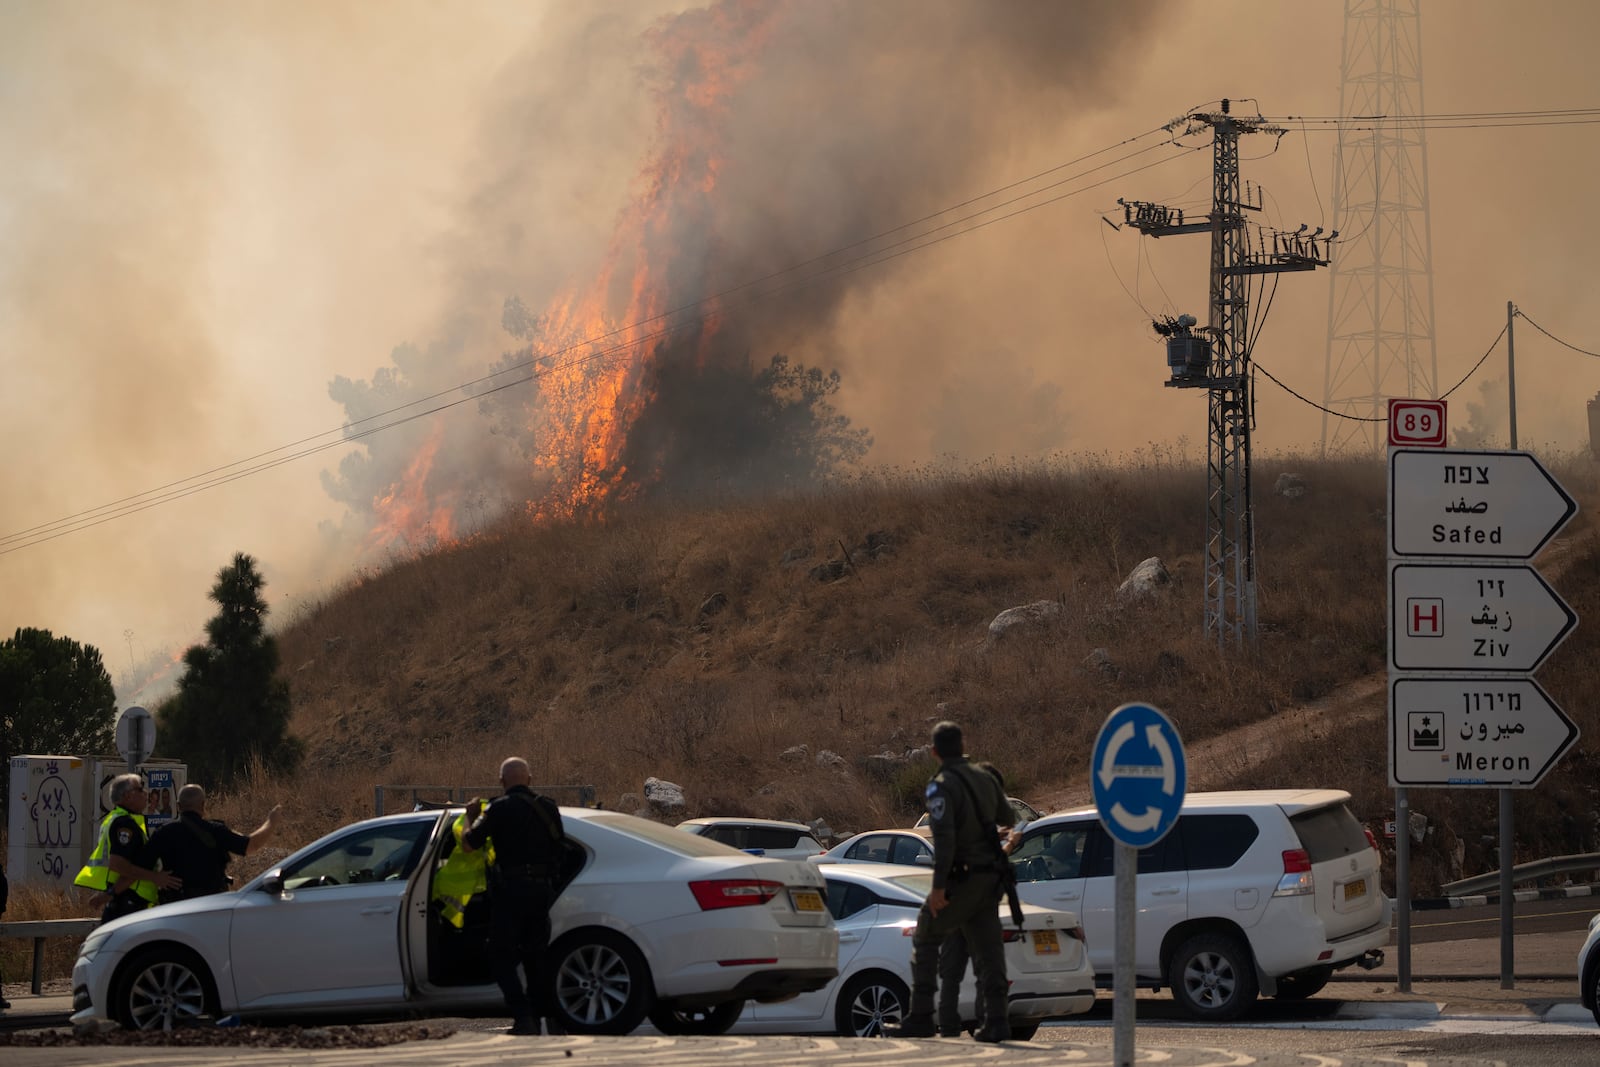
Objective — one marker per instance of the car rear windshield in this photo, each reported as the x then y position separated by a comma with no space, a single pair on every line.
1329,833
777,837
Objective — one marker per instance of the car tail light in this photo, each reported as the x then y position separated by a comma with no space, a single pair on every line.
733,892
1372,841
1012,935
1077,934
1297,880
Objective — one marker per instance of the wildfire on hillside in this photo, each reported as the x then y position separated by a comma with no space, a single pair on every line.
594,345
670,347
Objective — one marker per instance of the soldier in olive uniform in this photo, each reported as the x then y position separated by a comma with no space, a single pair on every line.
966,807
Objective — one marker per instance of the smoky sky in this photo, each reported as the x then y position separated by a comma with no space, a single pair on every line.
223,229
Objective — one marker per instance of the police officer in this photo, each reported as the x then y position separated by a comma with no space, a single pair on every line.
965,808
197,849
113,868
528,845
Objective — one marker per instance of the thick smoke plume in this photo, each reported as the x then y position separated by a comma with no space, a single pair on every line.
778,132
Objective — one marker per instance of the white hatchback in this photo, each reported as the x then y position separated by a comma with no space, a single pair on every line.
1256,891
875,907
650,921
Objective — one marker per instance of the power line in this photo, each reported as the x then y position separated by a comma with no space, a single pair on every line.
1553,337
1362,418
361,428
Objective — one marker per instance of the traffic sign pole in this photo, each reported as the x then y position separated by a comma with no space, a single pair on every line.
1139,775
1123,1002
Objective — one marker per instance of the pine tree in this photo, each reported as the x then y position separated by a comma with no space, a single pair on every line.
231,707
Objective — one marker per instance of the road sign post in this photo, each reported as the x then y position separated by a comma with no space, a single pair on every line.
1139,775
136,736
1459,604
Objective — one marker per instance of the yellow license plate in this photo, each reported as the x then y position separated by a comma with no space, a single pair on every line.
1357,888
806,899
1045,943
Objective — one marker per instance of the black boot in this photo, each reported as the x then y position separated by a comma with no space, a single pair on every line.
993,1031
552,1026
912,1026
524,1025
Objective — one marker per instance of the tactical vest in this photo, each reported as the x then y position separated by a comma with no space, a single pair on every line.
463,876
97,873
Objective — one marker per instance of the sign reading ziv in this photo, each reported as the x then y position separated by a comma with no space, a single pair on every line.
1499,618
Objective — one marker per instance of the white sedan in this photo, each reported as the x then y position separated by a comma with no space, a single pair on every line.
882,846
651,922
875,907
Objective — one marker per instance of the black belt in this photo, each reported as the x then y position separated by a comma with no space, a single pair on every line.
525,870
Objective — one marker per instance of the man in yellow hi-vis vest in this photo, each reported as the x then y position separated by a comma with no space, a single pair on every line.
464,874
113,868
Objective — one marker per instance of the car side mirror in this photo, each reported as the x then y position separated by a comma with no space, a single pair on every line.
273,883
923,860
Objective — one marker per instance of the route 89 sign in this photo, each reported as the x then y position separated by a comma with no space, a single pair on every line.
1139,775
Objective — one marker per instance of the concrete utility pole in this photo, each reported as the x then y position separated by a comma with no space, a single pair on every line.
1216,357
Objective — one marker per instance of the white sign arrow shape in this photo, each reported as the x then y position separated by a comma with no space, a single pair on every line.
1452,502
1502,619
1120,737
1138,824
1503,733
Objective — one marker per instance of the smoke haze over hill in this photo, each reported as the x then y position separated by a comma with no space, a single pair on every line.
215,214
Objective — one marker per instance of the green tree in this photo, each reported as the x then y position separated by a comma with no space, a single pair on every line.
231,707
56,699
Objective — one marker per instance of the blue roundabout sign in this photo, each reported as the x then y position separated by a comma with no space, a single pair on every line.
1139,775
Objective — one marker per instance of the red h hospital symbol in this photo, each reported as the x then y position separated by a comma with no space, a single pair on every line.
1424,617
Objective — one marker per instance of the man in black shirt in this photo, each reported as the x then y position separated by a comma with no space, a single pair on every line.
197,849
528,843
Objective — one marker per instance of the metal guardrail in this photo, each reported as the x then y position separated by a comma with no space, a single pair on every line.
581,796
39,929
1524,872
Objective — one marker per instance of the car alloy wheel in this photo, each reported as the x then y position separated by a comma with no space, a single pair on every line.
164,989
869,1002
1213,977
602,983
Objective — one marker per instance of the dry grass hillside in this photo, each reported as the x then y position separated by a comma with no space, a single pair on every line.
698,643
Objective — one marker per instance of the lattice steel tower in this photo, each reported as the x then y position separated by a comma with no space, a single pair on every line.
1380,303
1216,357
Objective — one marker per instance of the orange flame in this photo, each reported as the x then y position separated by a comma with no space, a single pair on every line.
408,514
595,358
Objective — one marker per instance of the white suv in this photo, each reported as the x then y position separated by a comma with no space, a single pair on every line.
1256,891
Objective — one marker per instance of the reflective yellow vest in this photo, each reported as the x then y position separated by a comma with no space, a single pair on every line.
97,873
463,876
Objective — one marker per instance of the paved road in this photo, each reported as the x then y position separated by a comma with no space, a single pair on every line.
482,1050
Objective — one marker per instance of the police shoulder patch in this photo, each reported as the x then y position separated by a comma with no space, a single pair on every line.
935,806
124,837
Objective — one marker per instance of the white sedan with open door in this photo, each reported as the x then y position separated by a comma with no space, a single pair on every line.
875,906
650,922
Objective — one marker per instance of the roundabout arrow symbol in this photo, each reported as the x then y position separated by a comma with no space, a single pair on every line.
1137,823
1118,739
